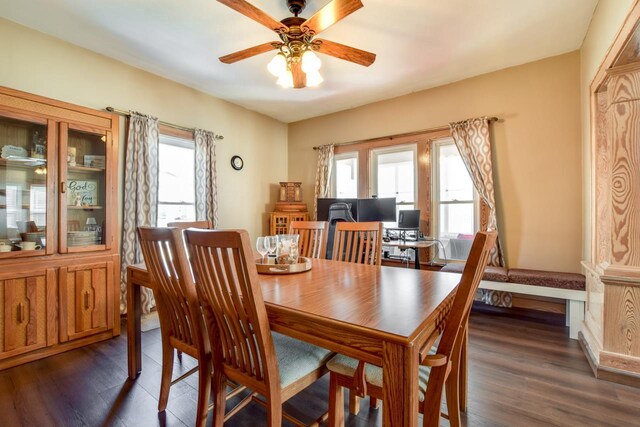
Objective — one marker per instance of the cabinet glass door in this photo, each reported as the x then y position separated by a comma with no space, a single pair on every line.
84,166
26,150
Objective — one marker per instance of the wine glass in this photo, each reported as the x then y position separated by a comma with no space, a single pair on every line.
261,247
271,243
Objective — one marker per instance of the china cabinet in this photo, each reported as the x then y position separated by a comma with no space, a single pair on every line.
59,265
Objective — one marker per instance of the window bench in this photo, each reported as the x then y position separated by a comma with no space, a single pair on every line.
567,286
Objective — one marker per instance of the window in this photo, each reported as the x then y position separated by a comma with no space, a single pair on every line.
393,173
14,213
455,202
345,173
176,180
38,204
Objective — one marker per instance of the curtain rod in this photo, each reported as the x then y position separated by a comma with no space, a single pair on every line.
436,129
171,125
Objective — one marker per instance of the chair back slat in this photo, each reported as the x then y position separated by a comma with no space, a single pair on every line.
232,302
313,237
175,293
358,242
183,225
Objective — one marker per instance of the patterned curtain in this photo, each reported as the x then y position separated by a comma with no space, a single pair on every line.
140,197
323,175
206,177
472,137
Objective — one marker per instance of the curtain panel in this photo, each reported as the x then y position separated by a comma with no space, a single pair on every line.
140,197
206,177
323,175
473,139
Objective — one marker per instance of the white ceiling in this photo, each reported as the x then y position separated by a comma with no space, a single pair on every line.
419,44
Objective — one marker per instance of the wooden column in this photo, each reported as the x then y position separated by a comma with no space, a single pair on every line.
611,331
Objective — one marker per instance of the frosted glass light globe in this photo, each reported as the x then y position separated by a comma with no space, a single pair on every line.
310,62
314,79
278,65
285,80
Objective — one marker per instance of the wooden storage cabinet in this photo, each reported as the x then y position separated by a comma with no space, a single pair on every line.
59,280
85,300
280,221
27,312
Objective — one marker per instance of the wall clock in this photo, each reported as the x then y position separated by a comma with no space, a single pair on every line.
237,163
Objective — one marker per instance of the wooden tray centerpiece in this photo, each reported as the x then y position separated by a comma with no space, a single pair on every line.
303,264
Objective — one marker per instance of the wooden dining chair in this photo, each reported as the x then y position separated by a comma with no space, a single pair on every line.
439,363
183,225
243,347
181,322
359,242
312,242
27,226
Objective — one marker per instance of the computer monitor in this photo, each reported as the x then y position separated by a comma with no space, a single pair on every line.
382,209
409,219
325,203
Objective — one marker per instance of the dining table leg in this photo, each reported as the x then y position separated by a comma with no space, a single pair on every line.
134,338
400,385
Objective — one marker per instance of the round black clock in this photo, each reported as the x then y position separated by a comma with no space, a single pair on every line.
237,163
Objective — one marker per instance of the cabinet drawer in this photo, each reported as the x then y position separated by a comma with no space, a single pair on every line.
86,300
27,312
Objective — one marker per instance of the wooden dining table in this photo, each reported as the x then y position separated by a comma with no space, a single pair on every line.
382,315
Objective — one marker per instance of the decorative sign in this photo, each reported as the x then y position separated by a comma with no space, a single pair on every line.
94,161
82,193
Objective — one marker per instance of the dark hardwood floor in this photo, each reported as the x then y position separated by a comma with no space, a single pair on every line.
523,372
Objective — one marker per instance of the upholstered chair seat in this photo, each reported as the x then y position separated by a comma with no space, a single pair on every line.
345,365
297,359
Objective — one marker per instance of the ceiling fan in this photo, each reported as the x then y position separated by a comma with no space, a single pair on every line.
295,64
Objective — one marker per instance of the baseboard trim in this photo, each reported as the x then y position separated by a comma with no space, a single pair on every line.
586,349
604,372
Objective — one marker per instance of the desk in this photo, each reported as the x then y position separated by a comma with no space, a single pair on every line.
409,244
381,315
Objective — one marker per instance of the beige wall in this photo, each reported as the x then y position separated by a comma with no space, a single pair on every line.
36,63
607,20
537,149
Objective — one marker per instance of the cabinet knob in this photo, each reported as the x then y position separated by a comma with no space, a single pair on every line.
63,187
86,300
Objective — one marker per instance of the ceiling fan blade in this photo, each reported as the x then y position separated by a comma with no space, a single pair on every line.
249,10
345,52
248,53
331,13
299,77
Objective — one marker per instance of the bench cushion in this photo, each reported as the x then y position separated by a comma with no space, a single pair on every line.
494,274
550,279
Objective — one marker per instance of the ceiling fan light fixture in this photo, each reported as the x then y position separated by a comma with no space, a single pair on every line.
278,65
285,80
310,62
296,64
314,79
